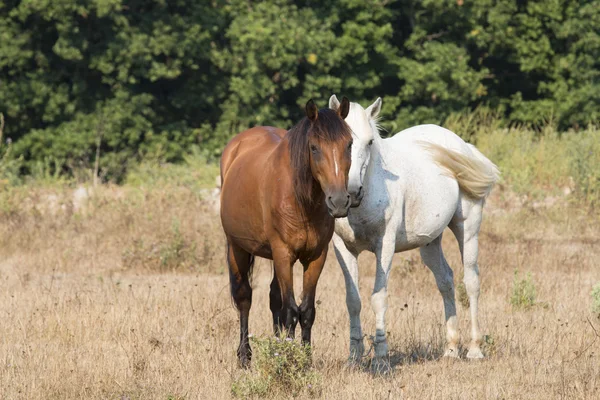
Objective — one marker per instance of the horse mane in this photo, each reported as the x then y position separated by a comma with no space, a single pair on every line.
328,127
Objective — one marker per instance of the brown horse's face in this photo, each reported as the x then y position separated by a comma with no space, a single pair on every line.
330,164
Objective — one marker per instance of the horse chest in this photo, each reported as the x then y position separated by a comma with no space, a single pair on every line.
360,230
303,237
312,239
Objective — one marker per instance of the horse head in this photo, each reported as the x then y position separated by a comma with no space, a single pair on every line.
363,123
320,150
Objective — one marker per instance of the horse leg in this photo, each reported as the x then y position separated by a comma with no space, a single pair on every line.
471,281
276,305
349,264
433,257
240,266
312,271
384,253
467,235
284,264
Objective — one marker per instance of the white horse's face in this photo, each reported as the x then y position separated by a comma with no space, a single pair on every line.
363,124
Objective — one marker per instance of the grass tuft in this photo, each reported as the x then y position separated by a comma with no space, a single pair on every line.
596,299
523,294
280,366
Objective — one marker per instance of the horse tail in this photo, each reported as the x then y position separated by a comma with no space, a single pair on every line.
251,268
476,175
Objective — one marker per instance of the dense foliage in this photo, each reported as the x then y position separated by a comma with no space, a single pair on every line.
154,78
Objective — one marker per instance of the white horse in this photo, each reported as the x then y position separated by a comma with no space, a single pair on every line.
413,185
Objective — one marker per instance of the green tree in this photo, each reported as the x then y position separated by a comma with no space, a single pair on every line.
154,78
138,71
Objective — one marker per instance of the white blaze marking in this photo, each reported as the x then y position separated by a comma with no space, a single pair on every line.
335,161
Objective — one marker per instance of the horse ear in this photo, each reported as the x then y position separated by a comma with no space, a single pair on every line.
374,109
334,103
344,108
312,112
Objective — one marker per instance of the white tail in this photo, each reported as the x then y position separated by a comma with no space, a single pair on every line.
475,175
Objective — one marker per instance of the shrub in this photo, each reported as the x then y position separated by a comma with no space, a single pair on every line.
542,163
584,163
9,166
596,299
523,292
278,365
489,345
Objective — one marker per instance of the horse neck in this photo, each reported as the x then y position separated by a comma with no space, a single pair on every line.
377,161
318,197
377,150
377,173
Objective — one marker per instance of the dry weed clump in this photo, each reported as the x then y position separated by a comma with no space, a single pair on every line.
596,299
280,366
523,295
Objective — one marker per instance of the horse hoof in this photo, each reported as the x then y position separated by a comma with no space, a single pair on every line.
381,349
357,349
353,363
381,366
244,357
244,363
475,354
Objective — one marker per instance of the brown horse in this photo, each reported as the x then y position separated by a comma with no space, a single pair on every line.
280,193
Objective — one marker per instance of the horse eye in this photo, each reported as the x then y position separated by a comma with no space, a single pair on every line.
313,148
350,145
370,142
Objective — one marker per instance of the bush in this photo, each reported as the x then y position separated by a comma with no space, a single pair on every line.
9,167
584,164
596,299
542,163
279,365
523,292
159,77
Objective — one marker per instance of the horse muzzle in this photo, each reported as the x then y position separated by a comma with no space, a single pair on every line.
356,197
338,204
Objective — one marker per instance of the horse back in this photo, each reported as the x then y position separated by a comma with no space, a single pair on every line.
260,139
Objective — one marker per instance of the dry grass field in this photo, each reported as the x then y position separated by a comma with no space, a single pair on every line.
124,295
